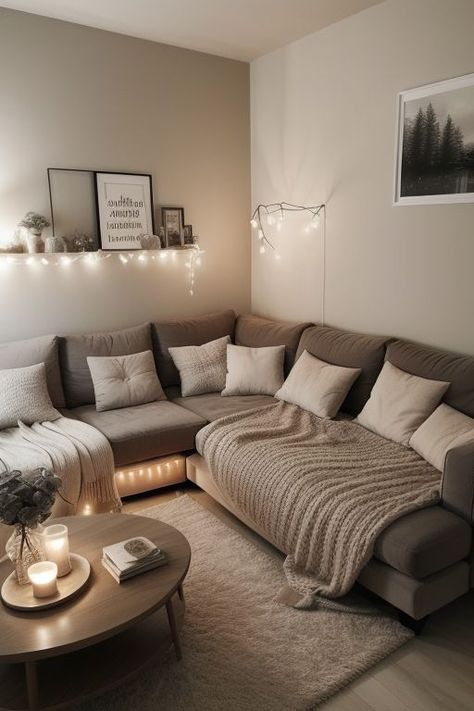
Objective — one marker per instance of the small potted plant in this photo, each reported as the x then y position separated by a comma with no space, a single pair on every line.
26,499
32,226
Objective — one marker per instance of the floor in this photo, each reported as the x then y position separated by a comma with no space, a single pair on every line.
433,672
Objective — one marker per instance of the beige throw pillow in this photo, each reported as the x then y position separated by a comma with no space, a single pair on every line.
399,403
202,369
254,371
24,396
444,429
317,386
124,381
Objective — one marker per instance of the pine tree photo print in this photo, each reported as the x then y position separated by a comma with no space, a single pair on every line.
436,143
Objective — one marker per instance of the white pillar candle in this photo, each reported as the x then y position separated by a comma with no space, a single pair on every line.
43,577
56,547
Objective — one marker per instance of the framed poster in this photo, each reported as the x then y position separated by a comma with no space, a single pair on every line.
124,209
173,225
435,143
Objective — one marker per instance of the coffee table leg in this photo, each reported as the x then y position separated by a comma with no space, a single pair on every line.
181,593
174,629
32,685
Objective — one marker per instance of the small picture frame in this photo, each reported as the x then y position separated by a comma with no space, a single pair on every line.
124,209
173,225
188,236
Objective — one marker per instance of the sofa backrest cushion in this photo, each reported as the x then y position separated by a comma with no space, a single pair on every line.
74,350
187,332
257,332
438,365
32,351
350,350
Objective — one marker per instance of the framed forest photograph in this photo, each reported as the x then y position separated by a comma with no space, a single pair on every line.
435,146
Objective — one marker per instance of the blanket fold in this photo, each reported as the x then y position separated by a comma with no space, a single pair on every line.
76,452
322,490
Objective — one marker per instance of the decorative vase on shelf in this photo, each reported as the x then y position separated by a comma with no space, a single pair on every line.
24,547
54,244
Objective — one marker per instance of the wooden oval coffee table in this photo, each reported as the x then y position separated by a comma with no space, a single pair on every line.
107,633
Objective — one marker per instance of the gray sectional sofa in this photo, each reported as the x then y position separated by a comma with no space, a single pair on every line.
421,562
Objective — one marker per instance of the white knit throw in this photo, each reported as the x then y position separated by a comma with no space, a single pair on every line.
321,490
76,452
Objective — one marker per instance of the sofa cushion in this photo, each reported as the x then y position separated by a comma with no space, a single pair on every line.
202,369
254,371
255,332
187,332
438,365
124,381
212,406
44,349
350,350
74,350
145,431
25,397
424,542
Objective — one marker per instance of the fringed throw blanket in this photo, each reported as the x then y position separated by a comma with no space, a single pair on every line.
321,490
76,452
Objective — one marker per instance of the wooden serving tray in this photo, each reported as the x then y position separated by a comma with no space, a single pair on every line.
20,597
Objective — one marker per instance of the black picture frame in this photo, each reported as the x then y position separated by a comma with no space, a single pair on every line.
119,242
174,235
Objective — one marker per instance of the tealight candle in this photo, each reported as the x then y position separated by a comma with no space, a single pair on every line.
56,547
43,577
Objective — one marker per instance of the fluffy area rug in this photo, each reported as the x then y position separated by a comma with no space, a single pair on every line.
242,650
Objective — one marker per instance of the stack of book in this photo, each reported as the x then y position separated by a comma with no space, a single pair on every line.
131,557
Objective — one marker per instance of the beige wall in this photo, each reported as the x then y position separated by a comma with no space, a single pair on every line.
78,97
323,129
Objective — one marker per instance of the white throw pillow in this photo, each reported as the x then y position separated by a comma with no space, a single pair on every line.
399,403
124,381
444,429
24,396
254,371
317,386
202,369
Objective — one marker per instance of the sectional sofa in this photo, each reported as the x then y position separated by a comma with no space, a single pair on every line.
420,563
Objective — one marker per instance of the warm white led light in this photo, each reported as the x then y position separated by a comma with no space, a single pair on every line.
254,222
260,234
262,249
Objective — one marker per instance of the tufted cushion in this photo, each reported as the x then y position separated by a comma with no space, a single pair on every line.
124,381
187,332
25,397
74,351
202,369
44,349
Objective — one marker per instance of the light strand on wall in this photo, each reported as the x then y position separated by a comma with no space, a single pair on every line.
144,257
273,214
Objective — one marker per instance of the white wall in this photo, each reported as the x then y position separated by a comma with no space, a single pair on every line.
323,129
83,98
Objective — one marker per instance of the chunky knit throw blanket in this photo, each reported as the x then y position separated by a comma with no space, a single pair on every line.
73,450
321,490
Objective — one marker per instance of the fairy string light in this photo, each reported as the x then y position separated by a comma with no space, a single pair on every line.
273,215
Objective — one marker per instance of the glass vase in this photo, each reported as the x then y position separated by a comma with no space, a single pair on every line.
24,547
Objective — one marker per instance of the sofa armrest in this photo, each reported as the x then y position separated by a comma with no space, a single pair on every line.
457,485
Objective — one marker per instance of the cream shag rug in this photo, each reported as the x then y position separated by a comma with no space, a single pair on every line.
242,651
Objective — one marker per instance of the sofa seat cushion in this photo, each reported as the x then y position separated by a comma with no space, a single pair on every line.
145,431
424,542
212,405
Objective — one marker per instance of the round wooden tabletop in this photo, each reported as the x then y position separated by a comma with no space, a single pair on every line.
105,607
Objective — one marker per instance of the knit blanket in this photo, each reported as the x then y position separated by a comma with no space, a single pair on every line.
76,452
321,490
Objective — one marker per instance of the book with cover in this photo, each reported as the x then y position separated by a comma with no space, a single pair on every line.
131,557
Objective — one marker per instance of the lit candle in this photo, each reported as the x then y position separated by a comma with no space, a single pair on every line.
43,577
56,547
